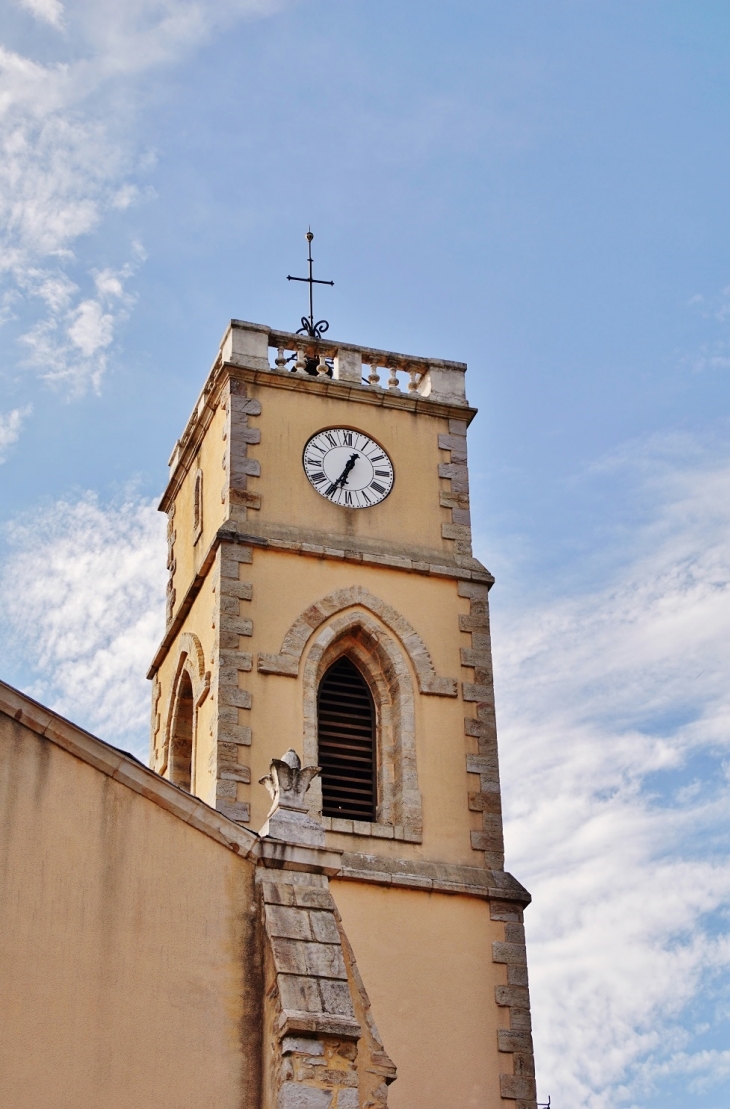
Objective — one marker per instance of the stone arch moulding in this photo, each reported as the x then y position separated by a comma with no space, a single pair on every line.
289,658
190,660
357,635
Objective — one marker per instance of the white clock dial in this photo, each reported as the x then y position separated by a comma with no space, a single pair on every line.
348,468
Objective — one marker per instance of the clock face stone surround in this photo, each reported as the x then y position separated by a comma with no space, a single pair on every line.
348,467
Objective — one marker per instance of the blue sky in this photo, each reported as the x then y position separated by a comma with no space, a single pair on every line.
539,189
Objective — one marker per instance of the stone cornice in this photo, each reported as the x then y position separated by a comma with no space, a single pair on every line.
386,558
437,877
187,446
280,855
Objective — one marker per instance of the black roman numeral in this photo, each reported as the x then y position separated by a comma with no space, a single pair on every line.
378,488
330,438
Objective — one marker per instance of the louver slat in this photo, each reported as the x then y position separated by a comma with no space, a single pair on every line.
346,721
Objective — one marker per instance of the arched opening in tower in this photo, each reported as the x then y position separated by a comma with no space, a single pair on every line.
181,752
346,743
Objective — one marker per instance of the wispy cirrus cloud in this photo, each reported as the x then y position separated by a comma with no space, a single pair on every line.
46,11
10,425
69,344
83,600
615,739
69,158
713,353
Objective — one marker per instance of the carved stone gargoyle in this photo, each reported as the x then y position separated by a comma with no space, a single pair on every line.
288,820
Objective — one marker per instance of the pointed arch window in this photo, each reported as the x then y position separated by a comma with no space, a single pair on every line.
181,746
346,743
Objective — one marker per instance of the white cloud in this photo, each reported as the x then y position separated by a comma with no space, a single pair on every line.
83,593
68,155
614,710
69,345
10,426
91,329
47,11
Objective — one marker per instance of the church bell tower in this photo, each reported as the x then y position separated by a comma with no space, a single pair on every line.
323,595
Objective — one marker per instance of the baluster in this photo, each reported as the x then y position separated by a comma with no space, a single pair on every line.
300,363
393,380
413,383
322,367
280,360
374,376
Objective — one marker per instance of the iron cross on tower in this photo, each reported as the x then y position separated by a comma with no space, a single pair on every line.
309,327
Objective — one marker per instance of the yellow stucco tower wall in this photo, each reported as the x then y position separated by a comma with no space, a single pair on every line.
269,583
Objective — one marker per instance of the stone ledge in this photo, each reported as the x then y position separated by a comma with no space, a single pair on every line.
370,829
227,534
316,860
293,1021
468,573
436,877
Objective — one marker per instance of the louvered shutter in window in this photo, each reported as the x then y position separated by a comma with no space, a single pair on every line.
346,720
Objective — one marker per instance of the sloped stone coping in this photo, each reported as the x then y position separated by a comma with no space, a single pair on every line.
125,768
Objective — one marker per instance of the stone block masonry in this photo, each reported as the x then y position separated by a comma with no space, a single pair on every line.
324,1049
456,499
171,566
230,730
483,726
238,435
518,1086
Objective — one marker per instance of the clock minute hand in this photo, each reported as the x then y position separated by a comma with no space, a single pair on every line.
342,479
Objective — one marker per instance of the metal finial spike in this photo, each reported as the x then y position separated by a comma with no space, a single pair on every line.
309,327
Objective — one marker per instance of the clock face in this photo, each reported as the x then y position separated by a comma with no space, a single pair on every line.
348,468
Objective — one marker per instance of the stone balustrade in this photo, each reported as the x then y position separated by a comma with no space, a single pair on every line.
260,347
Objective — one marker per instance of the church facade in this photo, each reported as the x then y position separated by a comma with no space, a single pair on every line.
324,774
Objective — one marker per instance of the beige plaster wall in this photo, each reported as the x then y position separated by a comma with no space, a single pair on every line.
284,586
409,515
426,959
125,945
209,459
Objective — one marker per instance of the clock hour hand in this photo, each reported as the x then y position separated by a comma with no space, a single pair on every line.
342,479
